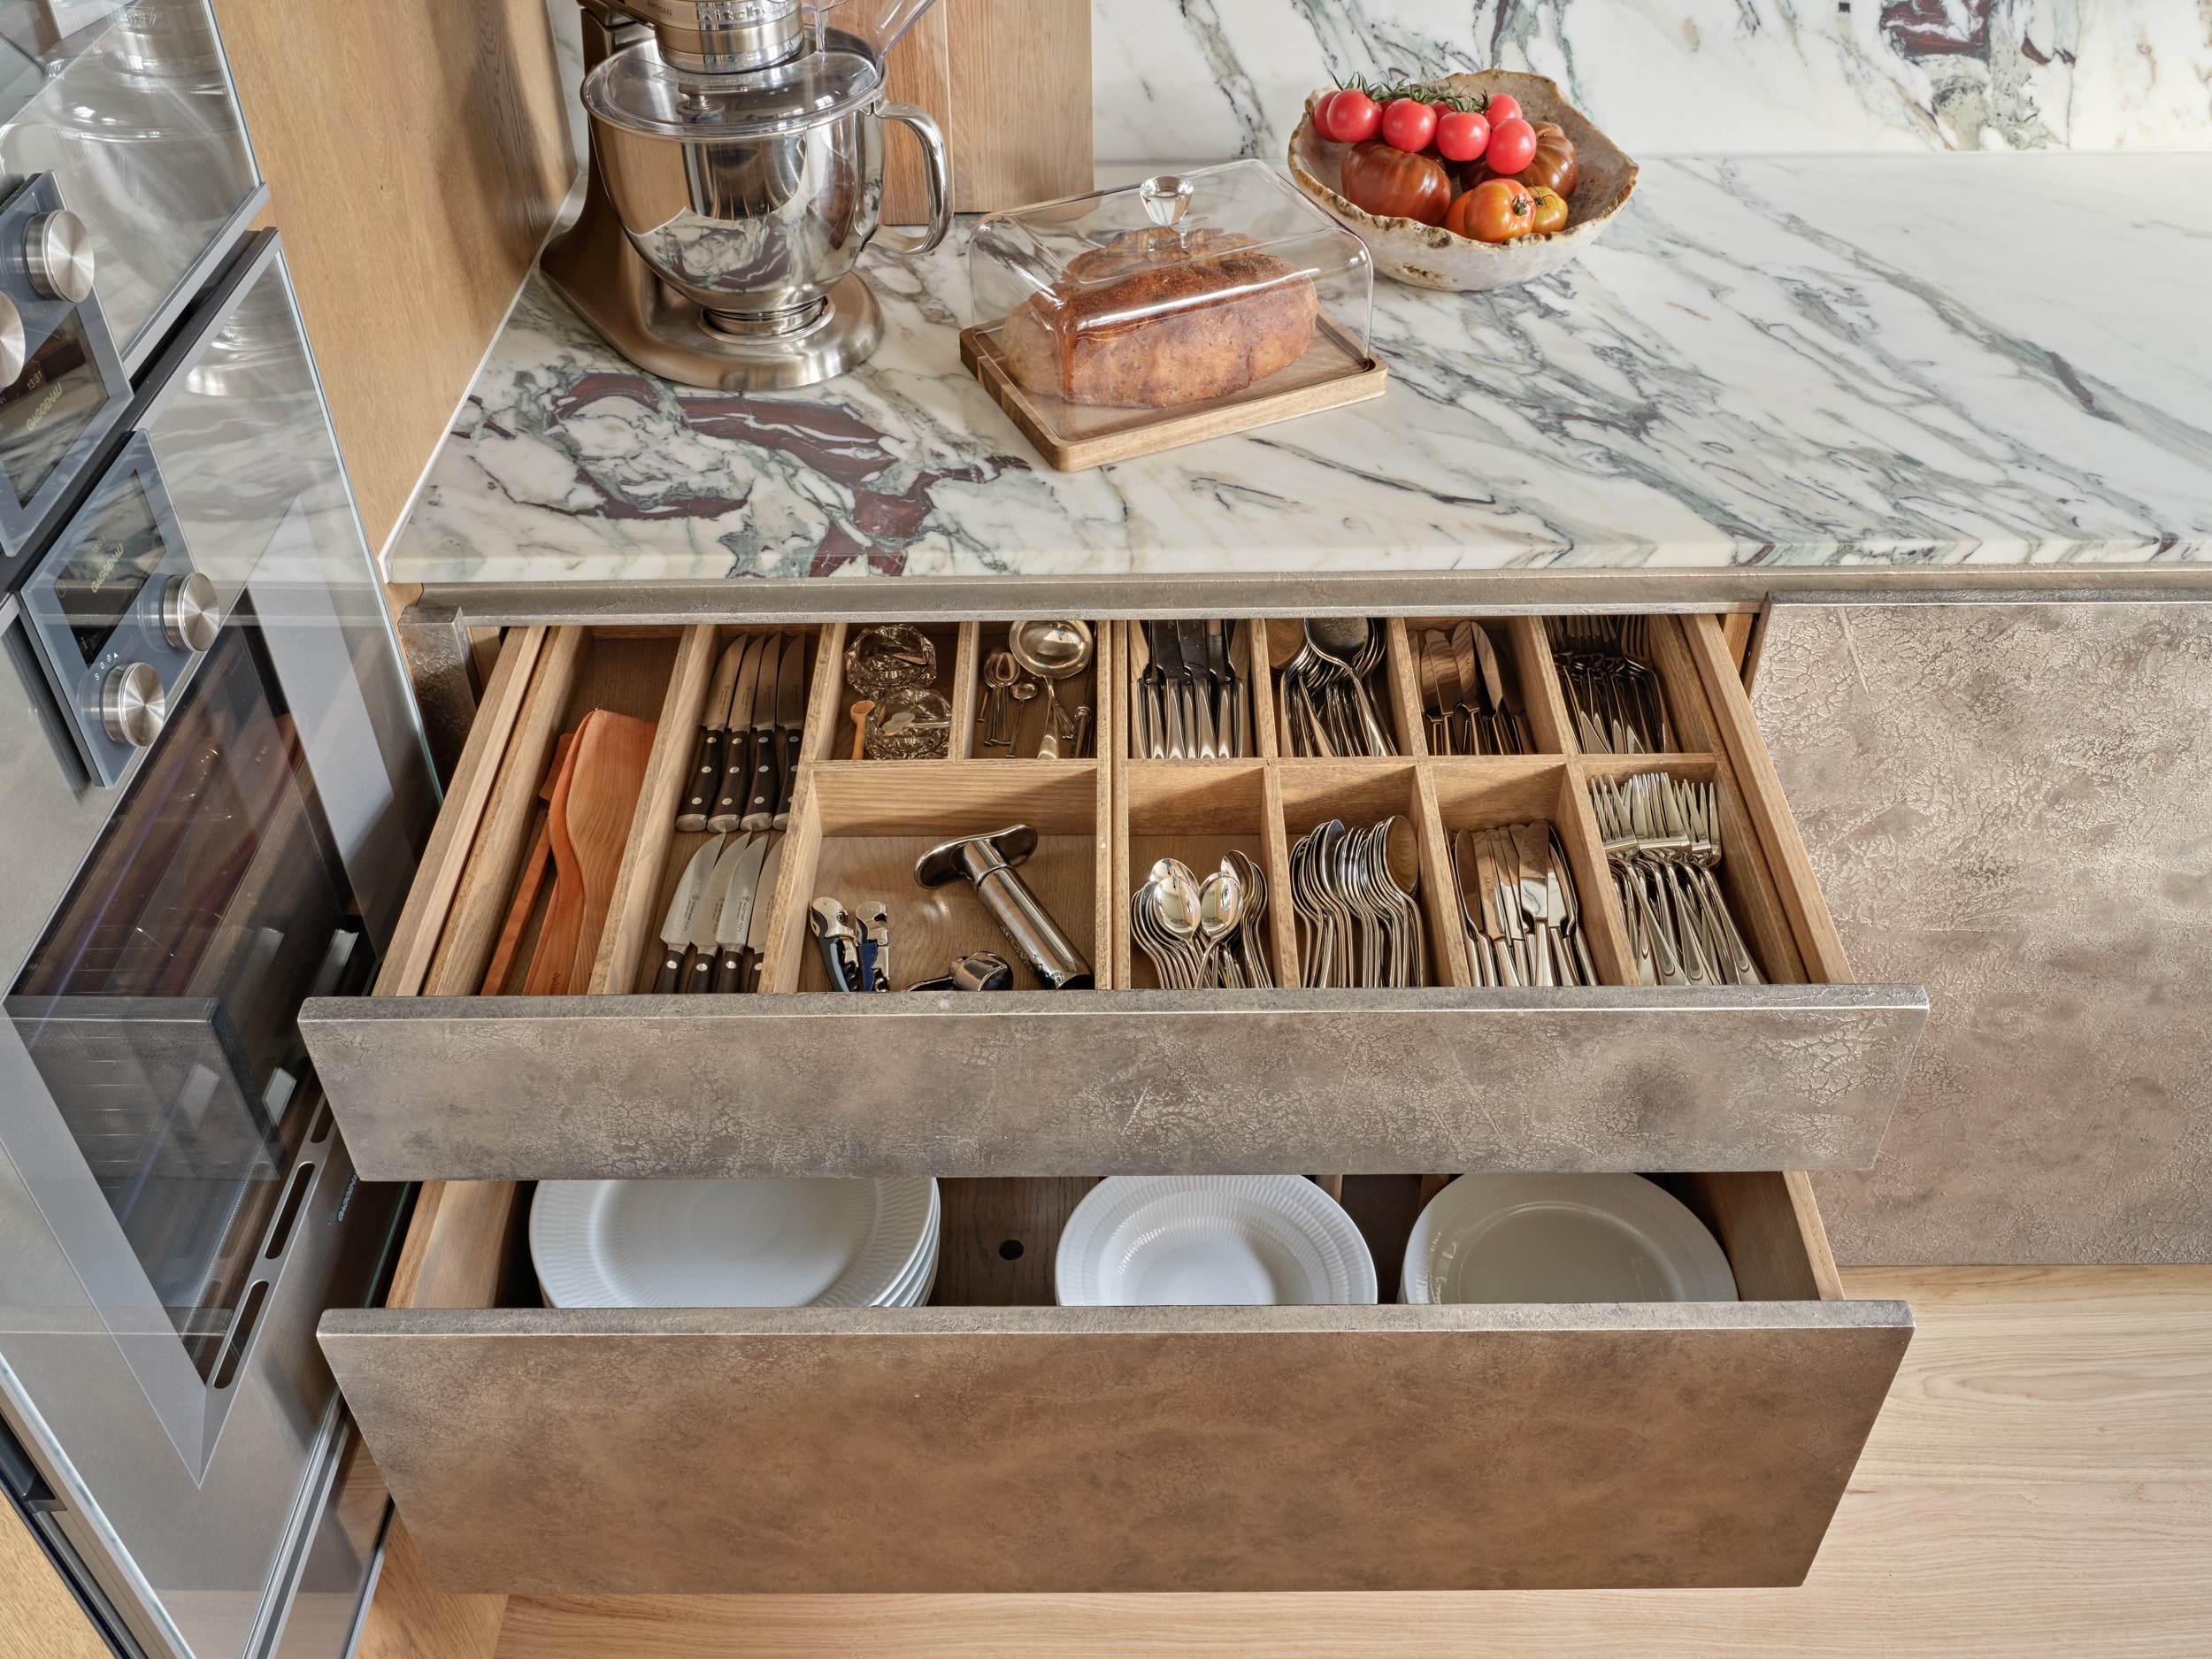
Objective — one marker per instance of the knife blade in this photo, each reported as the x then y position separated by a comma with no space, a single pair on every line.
790,720
737,913
1167,664
714,719
737,760
699,965
1190,637
676,925
756,935
758,792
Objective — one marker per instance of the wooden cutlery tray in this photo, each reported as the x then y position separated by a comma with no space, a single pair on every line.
431,1079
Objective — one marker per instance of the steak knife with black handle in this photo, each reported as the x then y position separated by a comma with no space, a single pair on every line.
737,747
767,780
714,720
790,721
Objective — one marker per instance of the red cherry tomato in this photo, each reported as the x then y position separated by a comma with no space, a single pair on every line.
1512,145
1353,117
1462,137
1501,106
1321,116
1408,124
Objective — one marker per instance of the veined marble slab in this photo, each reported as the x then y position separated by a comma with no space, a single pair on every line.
1176,78
1997,358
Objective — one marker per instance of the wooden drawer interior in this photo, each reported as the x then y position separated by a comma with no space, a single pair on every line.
858,824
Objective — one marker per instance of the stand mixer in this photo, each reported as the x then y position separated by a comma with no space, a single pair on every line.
736,173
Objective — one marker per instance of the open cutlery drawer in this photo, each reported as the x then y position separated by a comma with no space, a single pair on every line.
433,1081
992,1442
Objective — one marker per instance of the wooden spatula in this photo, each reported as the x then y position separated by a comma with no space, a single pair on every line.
556,949
611,754
533,881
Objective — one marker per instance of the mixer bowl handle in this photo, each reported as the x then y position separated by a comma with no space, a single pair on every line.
938,167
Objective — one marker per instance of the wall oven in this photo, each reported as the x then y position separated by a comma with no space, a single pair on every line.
213,785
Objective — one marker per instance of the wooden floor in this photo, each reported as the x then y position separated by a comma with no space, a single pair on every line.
2039,1483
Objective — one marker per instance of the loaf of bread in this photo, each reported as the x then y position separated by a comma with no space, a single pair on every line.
1152,320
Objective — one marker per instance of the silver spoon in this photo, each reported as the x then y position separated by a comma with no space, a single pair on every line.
1220,913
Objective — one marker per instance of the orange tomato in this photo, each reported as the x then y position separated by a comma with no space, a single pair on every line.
1550,213
1497,209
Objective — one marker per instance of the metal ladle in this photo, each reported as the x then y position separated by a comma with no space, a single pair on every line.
1053,651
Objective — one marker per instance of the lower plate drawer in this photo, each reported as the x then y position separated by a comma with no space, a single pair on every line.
973,1446
447,1074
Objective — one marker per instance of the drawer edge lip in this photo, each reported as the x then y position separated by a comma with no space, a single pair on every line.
1855,998
1383,1318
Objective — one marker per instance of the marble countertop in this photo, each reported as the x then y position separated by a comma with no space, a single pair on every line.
1945,359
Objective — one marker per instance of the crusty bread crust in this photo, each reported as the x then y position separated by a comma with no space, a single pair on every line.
1154,323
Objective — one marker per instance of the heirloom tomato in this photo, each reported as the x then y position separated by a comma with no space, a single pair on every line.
1551,212
1497,209
1392,183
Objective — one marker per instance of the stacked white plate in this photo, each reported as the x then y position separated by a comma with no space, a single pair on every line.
736,1244
1212,1241
1562,1237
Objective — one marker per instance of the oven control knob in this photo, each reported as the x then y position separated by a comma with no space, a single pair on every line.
188,615
133,705
14,350
58,248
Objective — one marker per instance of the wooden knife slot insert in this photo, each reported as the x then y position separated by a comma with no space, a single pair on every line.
999,1237
858,841
856,828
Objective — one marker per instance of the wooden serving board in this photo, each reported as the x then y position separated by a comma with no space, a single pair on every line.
980,354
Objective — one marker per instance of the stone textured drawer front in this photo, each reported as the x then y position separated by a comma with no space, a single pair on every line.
1147,1082
436,1080
972,1446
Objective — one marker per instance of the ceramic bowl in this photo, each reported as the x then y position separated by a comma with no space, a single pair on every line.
1429,255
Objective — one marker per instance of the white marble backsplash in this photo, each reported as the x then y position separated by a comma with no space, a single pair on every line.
1187,79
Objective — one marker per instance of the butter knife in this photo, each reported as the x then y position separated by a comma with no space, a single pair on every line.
1190,636
1167,664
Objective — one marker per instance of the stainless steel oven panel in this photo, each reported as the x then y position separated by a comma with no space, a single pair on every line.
96,631
138,119
71,391
194,1496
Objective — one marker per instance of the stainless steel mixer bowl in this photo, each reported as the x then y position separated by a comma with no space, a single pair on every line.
753,226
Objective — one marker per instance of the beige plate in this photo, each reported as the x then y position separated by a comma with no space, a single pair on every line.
1430,257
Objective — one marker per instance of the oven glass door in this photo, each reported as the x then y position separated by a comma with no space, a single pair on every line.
159,1007
140,124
